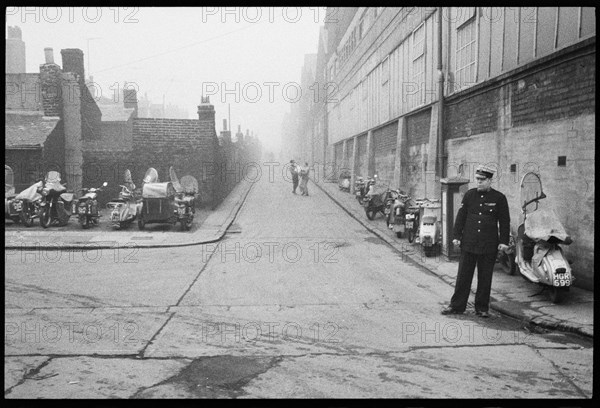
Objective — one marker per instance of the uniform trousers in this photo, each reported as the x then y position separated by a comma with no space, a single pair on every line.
466,268
294,183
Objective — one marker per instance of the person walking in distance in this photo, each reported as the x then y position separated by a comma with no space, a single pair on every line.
304,179
481,230
294,172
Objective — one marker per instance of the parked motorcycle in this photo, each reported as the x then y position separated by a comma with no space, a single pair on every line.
185,196
29,201
412,222
538,255
378,202
124,208
363,189
396,217
87,206
56,205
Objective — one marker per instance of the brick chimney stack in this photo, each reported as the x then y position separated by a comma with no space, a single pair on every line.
130,100
206,112
51,85
225,134
15,51
72,59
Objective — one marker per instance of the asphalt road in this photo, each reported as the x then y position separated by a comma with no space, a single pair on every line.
299,300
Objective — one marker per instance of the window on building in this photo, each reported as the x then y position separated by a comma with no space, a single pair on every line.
418,68
466,54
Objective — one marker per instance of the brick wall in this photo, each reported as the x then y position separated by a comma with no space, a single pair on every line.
561,91
545,113
417,127
189,145
91,116
27,166
384,140
362,156
472,116
23,92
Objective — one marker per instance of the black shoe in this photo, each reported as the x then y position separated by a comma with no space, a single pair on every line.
482,314
450,311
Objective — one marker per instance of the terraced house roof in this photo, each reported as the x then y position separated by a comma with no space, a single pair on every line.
27,130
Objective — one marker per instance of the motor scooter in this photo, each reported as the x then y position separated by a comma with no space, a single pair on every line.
397,215
87,206
425,229
344,182
538,256
56,205
124,208
368,189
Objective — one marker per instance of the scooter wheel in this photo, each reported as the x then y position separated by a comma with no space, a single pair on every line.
411,236
399,234
141,223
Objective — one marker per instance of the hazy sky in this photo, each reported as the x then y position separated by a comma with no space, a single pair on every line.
253,53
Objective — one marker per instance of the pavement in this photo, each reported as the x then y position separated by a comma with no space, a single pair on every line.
212,229
511,295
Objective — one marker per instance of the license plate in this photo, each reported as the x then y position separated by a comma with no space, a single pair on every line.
82,210
409,224
115,217
17,206
562,282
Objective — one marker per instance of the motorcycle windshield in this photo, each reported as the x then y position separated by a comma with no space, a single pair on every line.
129,180
151,176
174,180
543,224
53,177
30,193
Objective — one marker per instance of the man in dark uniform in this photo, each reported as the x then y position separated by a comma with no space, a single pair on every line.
476,232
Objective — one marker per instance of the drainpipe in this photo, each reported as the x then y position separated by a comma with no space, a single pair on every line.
441,148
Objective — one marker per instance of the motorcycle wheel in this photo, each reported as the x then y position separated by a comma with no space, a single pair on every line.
370,213
45,218
558,294
399,234
141,223
428,251
85,222
411,235
26,216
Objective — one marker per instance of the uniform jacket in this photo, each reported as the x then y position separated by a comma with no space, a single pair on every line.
478,218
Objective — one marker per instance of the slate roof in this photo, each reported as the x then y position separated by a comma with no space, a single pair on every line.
27,129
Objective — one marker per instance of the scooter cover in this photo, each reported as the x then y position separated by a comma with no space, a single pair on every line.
30,193
543,224
189,184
